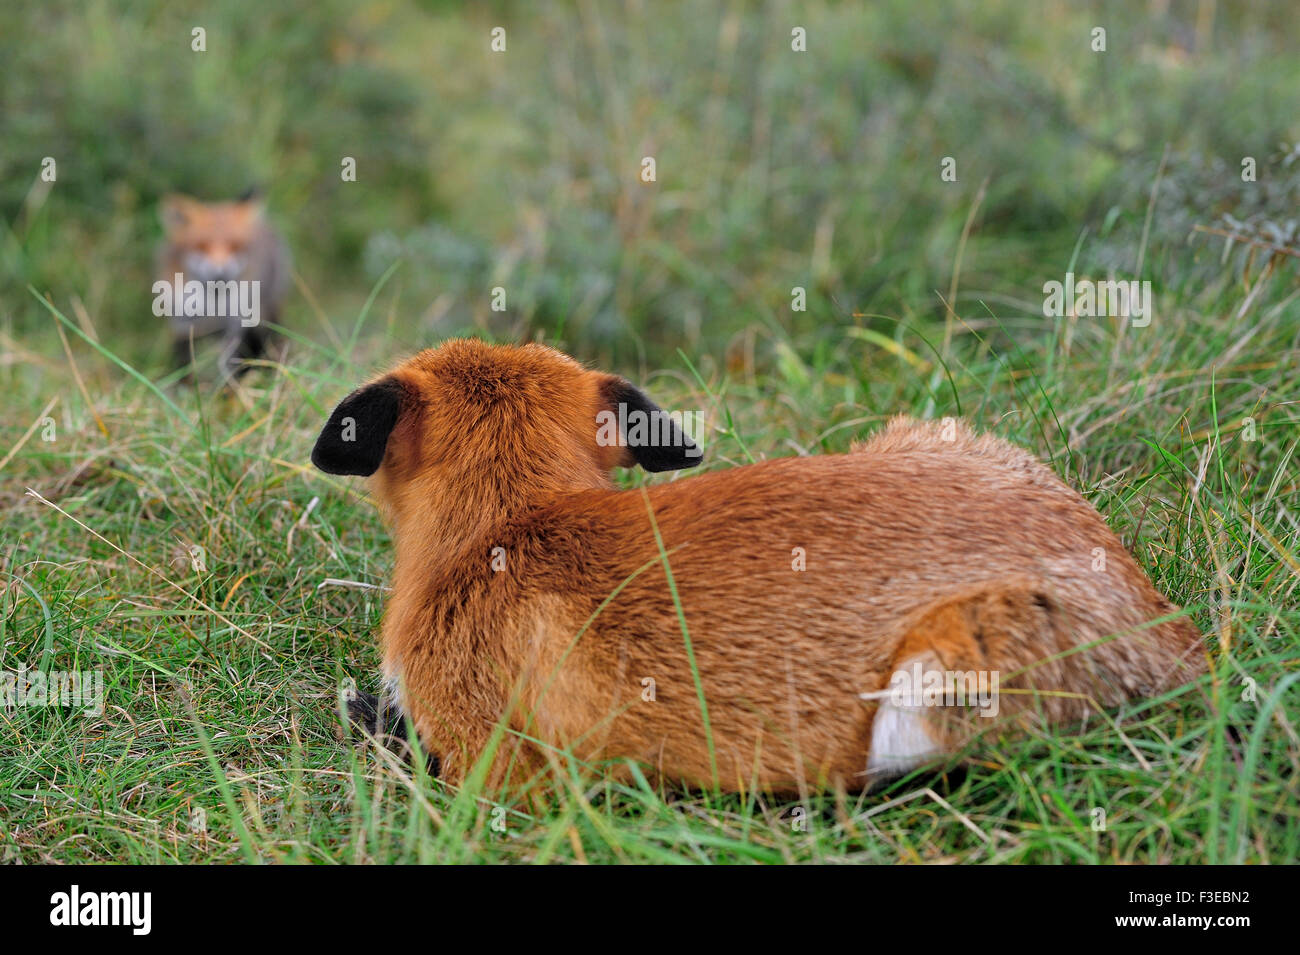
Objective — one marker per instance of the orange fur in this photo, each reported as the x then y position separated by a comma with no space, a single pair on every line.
955,549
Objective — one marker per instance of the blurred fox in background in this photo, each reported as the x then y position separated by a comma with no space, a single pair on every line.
222,270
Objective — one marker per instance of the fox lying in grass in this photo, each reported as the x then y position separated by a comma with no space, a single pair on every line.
529,592
215,259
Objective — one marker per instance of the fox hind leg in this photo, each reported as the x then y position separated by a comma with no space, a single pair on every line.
375,716
382,718
949,671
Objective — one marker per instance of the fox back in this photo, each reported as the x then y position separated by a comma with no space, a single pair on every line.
803,603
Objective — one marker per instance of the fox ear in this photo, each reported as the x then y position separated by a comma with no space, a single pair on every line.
174,211
252,205
648,435
355,437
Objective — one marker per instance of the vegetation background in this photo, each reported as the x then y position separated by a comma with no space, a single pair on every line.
776,169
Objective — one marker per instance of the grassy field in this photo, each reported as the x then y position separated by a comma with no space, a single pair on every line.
221,738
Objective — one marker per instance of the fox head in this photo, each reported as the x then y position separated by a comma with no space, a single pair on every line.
213,239
470,428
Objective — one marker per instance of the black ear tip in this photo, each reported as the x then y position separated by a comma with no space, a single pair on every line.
355,437
669,459
330,463
656,439
682,454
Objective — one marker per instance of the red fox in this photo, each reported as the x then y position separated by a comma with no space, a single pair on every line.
813,607
221,270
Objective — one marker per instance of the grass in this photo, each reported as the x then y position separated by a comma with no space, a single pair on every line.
179,541
223,682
